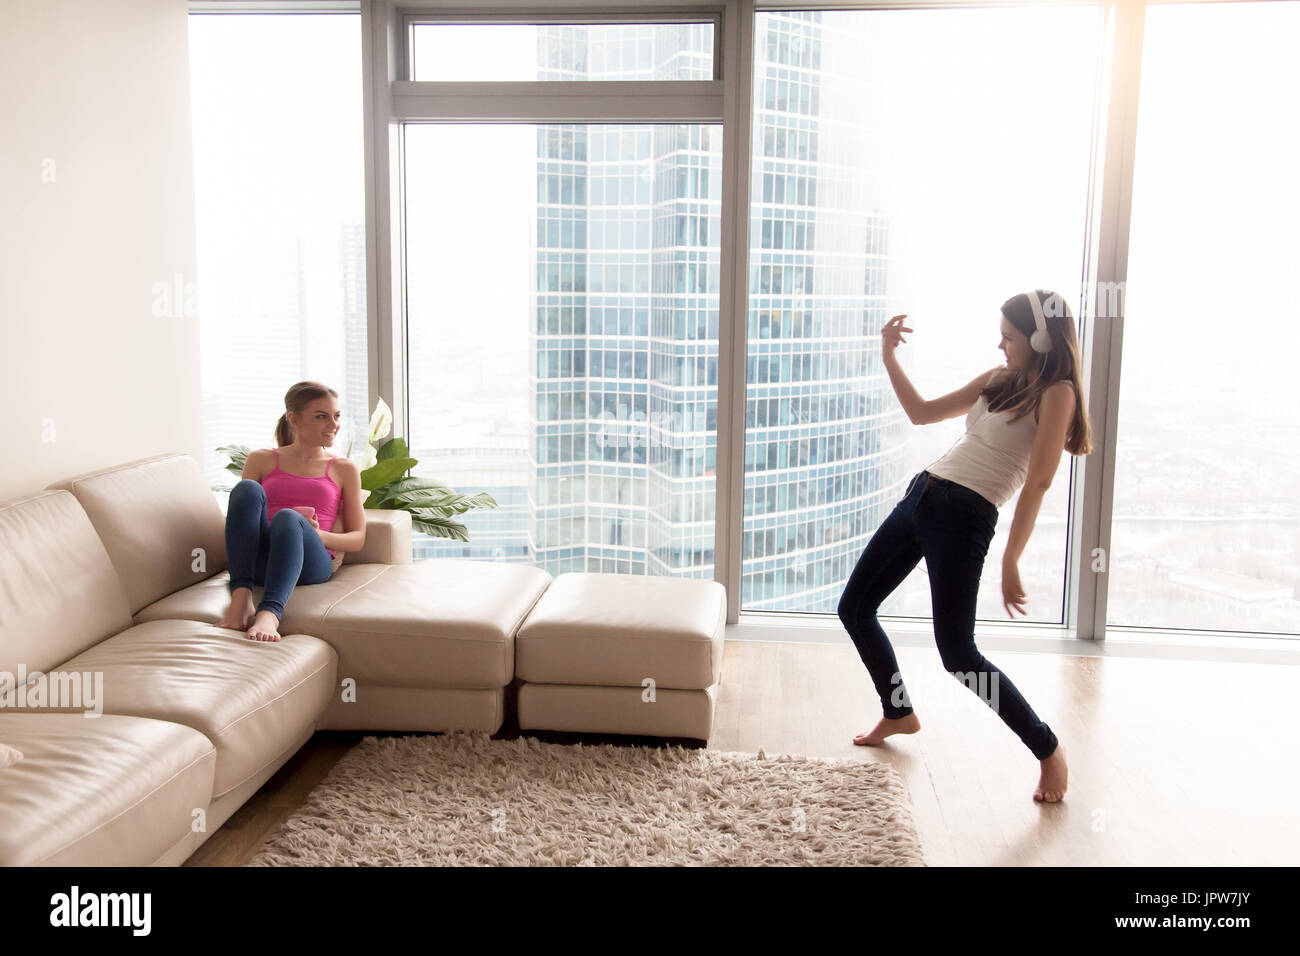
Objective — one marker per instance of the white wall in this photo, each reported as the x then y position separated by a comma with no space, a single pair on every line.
96,210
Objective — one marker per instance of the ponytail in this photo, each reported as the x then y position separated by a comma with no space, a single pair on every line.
283,432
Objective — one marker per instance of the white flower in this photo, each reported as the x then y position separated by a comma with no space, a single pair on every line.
381,422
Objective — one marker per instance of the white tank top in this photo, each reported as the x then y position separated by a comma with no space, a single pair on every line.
992,458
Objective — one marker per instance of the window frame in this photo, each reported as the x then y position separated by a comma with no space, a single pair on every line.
549,16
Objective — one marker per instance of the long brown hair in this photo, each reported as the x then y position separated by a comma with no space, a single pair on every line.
296,400
1017,393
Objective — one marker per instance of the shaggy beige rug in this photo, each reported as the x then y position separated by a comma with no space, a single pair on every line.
464,799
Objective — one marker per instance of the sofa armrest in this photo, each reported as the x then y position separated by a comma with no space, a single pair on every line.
388,538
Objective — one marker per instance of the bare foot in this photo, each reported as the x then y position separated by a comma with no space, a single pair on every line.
1051,782
264,627
240,613
887,727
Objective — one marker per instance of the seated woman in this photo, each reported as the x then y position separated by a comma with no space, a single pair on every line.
285,497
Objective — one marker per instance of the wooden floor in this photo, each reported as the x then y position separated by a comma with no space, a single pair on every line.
1172,763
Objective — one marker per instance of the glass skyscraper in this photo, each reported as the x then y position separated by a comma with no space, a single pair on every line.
628,238
824,434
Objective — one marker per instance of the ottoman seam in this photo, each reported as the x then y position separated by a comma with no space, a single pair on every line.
426,636
334,604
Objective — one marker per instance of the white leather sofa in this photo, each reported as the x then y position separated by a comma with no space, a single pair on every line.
121,573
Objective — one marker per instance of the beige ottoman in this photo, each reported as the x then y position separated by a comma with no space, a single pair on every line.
622,654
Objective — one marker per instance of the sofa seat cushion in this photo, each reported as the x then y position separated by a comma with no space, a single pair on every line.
252,699
110,790
618,629
444,622
207,601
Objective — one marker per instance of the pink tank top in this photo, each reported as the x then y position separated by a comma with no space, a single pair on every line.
284,490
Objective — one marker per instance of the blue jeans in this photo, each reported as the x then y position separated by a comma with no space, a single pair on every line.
279,554
951,527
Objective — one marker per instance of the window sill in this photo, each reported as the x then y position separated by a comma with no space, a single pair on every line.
1166,644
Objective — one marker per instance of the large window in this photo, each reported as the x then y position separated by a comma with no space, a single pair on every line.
280,193
1206,527
928,162
561,265
563,314
562,307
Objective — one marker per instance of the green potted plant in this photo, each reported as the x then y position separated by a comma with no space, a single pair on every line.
383,485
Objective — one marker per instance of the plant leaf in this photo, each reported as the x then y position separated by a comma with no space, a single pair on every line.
447,501
439,527
382,472
238,455
394,448
400,486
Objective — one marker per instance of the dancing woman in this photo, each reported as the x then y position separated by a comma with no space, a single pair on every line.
286,497
1019,419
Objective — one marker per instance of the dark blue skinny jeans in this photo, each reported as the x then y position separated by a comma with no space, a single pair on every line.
951,526
280,553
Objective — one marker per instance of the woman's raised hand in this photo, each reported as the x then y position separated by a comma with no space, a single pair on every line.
892,333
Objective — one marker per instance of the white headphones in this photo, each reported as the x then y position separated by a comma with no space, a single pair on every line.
1040,341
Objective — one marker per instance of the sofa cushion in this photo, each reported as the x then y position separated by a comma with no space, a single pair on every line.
252,699
59,593
108,791
618,629
444,622
158,520
208,600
